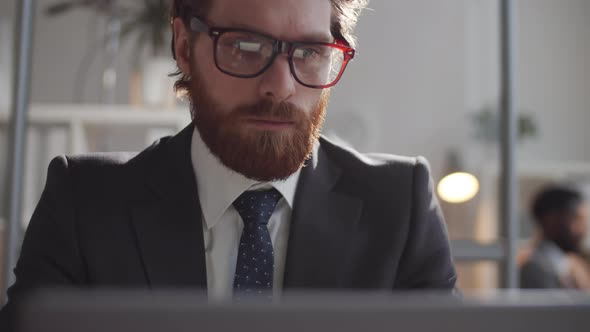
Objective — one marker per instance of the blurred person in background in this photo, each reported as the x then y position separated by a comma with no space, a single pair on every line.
248,198
557,259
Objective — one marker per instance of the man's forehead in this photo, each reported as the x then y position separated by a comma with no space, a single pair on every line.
285,19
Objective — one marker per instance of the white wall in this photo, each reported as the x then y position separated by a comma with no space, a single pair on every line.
6,7
555,77
60,44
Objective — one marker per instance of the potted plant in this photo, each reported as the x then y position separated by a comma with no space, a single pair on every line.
487,125
148,24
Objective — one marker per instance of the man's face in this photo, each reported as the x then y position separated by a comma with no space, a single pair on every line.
578,226
569,229
262,127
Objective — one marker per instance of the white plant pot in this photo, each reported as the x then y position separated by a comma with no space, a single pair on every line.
6,49
157,87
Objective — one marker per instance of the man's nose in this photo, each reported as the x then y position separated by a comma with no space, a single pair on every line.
277,82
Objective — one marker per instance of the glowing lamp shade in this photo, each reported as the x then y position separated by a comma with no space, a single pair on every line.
458,187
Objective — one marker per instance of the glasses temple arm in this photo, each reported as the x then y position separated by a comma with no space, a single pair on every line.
197,25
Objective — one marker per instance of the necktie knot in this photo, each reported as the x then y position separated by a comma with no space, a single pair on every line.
256,207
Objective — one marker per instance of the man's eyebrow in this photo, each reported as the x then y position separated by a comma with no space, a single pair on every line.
321,37
317,37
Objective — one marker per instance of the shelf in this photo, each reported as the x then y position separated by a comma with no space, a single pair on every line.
469,250
56,114
77,118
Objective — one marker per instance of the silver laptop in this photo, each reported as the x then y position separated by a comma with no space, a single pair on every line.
180,311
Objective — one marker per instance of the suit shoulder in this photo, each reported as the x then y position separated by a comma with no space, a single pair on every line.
537,272
348,157
101,172
104,161
384,174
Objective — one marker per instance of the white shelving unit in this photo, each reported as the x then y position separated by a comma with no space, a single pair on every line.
78,118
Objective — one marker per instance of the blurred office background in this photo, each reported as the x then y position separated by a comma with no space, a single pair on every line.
425,82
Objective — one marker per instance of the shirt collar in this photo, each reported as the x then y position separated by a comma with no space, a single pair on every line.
219,186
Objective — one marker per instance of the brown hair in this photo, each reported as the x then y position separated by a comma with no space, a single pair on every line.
345,16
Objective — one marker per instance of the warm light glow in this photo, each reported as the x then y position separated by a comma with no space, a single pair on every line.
458,187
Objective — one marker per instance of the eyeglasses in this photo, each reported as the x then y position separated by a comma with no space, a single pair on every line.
247,54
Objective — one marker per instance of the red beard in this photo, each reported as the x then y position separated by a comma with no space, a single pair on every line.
262,155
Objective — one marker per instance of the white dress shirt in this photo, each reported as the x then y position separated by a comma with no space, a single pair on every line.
218,188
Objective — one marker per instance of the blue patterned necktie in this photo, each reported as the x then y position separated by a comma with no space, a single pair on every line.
255,263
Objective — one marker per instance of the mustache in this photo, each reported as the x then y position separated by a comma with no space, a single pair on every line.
283,111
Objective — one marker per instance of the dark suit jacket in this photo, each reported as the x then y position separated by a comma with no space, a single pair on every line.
539,271
113,220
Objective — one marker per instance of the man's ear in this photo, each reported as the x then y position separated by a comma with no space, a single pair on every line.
182,45
551,222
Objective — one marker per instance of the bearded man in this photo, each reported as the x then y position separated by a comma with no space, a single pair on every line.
556,259
249,199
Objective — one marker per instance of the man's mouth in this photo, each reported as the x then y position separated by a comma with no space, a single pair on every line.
269,123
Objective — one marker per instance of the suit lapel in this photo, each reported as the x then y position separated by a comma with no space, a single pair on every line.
170,234
322,225
168,225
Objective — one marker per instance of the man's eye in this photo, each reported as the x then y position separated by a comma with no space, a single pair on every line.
247,46
305,53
